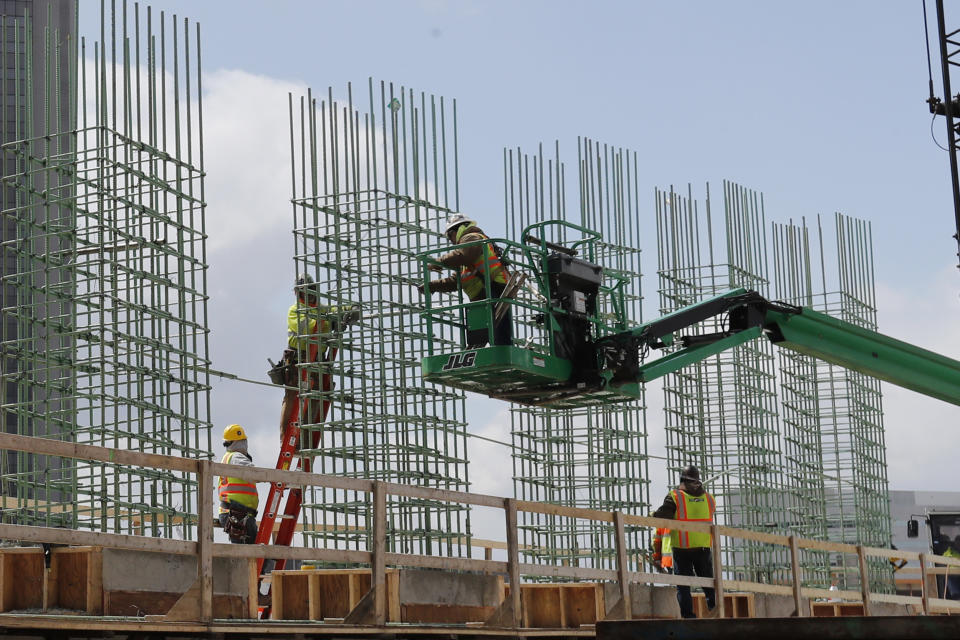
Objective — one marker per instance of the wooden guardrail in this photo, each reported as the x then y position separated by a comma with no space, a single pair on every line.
378,558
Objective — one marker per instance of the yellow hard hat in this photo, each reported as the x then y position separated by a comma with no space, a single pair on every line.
233,433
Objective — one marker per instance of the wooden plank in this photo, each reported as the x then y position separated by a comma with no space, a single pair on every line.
542,607
717,571
757,536
891,553
441,562
623,568
582,604
582,573
314,604
101,454
813,592
758,587
205,539
379,568
262,474
443,614
836,547
513,562
924,585
393,596
226,550
443,495
896,599
22,577
864,579
560,510
796,578
290,596
94,581
94,538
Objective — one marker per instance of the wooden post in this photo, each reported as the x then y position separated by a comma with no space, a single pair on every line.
924,590
205,539
717,570
379,568
513,560
797,577
864,580
623,567
488,553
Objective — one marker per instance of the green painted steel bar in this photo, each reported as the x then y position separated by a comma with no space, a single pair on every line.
685,357
874,354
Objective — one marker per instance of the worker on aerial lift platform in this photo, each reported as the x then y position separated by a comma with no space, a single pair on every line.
238,497
689,502
472,261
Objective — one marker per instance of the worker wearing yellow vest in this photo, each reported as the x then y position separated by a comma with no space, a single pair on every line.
309,324
952,591
663,550
689,502
473,262
238,497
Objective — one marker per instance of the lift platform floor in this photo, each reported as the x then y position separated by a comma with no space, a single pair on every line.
520,375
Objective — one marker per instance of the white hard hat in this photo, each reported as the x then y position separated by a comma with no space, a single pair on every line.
457,219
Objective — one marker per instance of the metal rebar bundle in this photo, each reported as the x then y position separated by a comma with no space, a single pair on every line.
104,327
371,190
593,456
721,414
834,416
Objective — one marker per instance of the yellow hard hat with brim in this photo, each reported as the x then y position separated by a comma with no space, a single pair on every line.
233,433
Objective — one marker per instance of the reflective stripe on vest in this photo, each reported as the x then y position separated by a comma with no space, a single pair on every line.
692,509
472,278
237,489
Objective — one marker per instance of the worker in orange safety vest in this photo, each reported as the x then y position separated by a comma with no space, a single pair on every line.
663,550
473,262
238,497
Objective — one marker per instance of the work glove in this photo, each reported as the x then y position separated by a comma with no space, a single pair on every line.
419,288
351,316
435,267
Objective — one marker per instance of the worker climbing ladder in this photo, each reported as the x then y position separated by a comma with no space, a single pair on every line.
290,445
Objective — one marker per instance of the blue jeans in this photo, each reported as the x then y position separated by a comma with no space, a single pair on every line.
688,562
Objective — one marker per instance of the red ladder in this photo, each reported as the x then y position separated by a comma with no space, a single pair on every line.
288,446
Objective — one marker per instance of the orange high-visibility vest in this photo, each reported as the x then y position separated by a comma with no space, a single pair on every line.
472,277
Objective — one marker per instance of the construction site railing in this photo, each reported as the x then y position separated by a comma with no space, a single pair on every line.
378,558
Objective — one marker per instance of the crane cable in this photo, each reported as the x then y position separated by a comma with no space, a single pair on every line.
933,117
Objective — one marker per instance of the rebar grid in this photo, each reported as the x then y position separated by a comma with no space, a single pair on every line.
104,279
593,457
721,413
845,405
370,192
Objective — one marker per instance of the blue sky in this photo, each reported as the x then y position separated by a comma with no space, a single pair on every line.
819,105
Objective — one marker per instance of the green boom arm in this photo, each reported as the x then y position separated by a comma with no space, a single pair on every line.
801,329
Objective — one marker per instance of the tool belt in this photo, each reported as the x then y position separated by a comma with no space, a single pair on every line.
237,522
285,371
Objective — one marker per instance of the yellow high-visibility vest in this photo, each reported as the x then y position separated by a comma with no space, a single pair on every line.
692,509
236,489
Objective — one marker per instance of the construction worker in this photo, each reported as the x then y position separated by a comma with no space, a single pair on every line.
689,502
953,581
663,550
473,262
308,324
238,498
